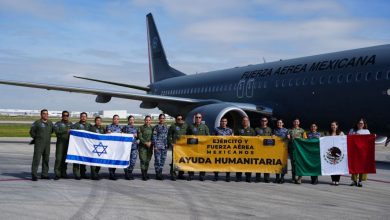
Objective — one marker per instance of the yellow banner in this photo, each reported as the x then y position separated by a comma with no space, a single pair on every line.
260,154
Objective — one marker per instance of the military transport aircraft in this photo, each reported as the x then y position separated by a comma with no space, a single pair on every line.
340,86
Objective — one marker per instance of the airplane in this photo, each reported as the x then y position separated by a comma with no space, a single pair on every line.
341,86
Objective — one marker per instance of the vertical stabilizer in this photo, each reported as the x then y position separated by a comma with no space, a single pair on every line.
159,68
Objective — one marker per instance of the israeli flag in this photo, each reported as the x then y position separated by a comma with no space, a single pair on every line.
104,150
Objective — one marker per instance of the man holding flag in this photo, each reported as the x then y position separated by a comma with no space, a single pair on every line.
79,169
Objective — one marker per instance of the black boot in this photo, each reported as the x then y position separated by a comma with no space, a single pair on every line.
248,177
112,176
127,176
215,176
258,178
190,176
238,177
227,177
277,178
201,176
266,177
282,179
181,175
144,178
159,175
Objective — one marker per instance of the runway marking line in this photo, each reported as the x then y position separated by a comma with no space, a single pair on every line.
9,180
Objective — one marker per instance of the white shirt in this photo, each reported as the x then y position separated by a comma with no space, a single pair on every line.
361,131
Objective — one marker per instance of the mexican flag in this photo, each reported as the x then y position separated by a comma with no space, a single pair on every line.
335,155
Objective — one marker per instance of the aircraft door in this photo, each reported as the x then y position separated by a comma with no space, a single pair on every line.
250,84
240,88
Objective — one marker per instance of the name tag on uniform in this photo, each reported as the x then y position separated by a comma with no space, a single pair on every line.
192,140
269,142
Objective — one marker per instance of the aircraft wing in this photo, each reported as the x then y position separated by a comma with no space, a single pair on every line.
108,93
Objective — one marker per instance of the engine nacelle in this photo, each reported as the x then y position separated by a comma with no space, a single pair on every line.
102,99
213,113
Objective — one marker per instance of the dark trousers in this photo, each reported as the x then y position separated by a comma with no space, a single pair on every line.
61,151
40,151
292,160
335,178
79,170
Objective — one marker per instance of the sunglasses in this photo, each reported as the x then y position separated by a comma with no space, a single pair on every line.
198,117
179,119
65,115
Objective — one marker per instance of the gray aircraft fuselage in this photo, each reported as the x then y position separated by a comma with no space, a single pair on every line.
341,86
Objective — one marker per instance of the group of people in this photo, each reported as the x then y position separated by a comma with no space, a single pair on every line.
155,140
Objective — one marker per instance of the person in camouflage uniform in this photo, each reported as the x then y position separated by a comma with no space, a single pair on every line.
79,170
61,129
174,132
294,132
41,131
311,135
113,128
97,128
145,133
223,130
197,128
281,132
244,130
131,129
160,145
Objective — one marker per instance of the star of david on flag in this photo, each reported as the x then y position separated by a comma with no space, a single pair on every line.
99,149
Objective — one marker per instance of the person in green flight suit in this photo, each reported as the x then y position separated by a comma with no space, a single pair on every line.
263,130
61,129
294,132
197,128
41,131
97,128
244,130
175,131
79,169
145,133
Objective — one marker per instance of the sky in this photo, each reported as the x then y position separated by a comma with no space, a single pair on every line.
50,41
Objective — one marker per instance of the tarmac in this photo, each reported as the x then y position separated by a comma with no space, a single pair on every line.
21,198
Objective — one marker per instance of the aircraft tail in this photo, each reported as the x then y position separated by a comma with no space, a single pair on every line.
159,68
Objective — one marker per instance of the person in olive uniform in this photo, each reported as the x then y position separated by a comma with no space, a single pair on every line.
41,133
313,133
244,130
145,133
113,128
174,132
79,169
61,129
198,128
97,128
223,130
294,132
263,130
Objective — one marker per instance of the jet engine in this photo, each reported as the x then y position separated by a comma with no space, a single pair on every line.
213,113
